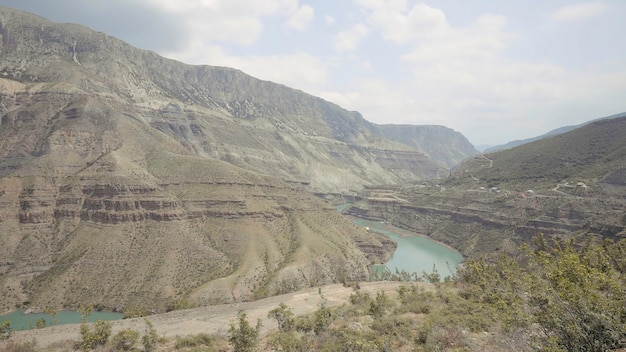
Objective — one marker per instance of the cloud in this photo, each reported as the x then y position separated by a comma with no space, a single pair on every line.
349,40
462,77
400,24
229,21
579,12
299,70
301,20
329,19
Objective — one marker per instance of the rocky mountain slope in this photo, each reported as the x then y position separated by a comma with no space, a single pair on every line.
213,112
441,144
570,186
130,180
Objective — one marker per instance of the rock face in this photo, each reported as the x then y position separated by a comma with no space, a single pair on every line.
130,180
441,144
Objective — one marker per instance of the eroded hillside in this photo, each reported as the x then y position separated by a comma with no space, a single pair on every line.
130,180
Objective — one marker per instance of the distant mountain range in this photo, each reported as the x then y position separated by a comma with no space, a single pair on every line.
554,132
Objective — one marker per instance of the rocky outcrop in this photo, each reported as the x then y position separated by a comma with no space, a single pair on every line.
441,144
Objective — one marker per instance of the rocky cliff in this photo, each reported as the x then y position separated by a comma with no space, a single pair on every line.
441,144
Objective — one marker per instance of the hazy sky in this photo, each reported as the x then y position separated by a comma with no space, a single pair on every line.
494,70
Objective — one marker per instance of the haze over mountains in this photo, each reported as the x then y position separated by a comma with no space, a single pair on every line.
554,132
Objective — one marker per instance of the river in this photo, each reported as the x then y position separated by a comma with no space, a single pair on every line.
21,321
414,253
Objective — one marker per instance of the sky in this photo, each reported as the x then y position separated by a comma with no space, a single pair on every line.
493,70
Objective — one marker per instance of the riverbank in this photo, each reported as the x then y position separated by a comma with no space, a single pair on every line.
414,254
402,232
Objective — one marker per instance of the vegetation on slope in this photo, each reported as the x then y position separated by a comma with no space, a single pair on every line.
589,154
552,296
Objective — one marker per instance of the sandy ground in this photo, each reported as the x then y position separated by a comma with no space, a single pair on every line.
214,319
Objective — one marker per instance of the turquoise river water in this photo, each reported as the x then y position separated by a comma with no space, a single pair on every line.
414,253
21,321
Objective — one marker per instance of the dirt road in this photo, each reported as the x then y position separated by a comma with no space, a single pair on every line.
215,319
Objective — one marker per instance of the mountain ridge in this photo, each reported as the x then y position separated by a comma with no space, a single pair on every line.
551,133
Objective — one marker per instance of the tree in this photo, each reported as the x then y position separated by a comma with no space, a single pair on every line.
322,318
283,316
150,337
98,337
243,336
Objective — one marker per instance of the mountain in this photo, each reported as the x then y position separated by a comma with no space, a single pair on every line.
554,132
441,144
594,153
213,112
569,186
131,180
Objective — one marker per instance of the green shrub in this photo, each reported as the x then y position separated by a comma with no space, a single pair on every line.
41,323
360,298
286,341
283,316
150,338
194,341
322,318
380,304
98,337
243,336
6,330
134,312
125,340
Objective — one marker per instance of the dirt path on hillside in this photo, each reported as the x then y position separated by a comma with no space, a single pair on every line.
215,319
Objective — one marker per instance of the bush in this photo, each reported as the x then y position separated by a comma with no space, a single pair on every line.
244,337
574,295
379,305
444,339
150,337
6,330
134,312
98,337
322,319
283,316
125,340
286,341
194,341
